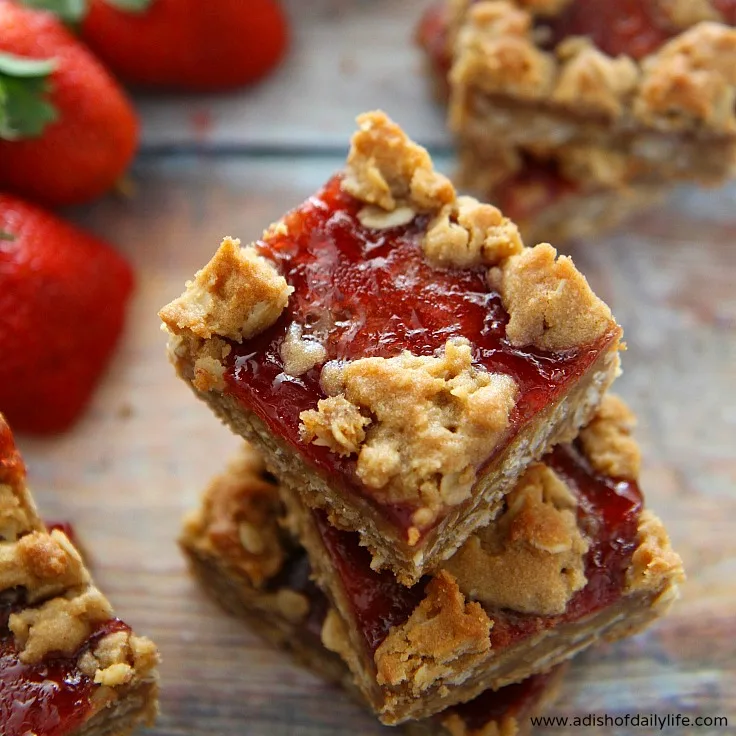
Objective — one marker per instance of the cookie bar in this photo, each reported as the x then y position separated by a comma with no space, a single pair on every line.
246,560
68,667
588,99
573,558
395,351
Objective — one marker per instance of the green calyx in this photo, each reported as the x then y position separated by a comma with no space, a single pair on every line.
25,110
74,11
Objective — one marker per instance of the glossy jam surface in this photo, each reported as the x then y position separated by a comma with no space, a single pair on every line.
608,510
632,27
378,601
366,293
517,700
47,699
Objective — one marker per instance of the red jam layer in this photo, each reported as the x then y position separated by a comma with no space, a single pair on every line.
534,188
518,701
727,9
632,27
432,37
608,510
378,600
47,699
366,293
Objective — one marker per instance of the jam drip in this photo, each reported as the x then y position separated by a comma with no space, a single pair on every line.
51,698
636,28
378,601
608,510
12,469
364,292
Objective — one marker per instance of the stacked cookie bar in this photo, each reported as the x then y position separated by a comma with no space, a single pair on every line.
68,667
573,114
428,396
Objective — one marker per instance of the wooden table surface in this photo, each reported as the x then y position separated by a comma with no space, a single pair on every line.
214,166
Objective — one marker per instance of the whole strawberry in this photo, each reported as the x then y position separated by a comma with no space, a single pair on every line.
187,44
63,296
88,131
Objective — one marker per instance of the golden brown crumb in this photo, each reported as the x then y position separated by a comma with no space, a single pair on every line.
387,169
654,562
300,353
237,518
607,440
60,625
467,233
549,302
532,559
590,80
236,295
691,79
336,424
444,635
421,425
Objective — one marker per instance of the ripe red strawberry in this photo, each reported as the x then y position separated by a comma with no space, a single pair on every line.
95,134
188,44
63,295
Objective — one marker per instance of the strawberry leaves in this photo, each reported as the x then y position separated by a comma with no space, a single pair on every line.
73,12
24,106
70,11
130,6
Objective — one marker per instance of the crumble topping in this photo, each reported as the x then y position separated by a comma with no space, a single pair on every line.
607,440
42,564
691,79
531,559
238,518
467,233
118,659
654,562
15,516
237,295
686,13
498,56
380,219
594,164
421,425
60,625
387,169
336,424
549,302
589,79
442,640
300,354
209,365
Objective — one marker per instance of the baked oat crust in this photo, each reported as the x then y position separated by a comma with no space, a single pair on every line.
62,608
416,671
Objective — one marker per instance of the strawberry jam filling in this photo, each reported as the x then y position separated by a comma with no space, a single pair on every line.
608,510
432,37
517,700
371,293
52,698
632,27
535,187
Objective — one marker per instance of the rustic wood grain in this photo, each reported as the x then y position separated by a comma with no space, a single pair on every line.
347,56
138,460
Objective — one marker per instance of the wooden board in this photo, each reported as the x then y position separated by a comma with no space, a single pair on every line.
128,472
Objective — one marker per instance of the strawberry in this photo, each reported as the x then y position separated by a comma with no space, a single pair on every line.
63,295
74,146
187,44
